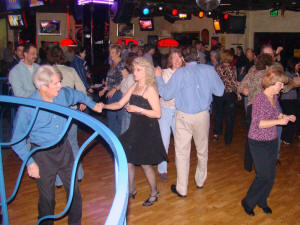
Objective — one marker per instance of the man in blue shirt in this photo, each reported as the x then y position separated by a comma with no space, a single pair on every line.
192,87
20,76
58,159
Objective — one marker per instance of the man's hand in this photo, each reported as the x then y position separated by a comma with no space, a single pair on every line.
33,170
292,118
111,93
157,71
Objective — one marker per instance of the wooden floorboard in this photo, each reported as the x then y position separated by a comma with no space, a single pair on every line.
218,203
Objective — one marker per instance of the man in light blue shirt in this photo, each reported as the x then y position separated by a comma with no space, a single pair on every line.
47,128
192,87
20,76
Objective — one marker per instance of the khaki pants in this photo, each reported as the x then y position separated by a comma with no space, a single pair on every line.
190,126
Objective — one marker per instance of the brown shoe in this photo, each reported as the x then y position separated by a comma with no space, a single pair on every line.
163,177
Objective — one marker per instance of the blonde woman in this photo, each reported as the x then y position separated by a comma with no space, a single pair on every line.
142,141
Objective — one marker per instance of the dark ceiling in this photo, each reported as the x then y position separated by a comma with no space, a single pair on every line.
225,5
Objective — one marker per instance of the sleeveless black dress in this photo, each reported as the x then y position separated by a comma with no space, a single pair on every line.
142,141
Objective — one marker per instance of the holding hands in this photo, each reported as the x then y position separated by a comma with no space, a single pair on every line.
134,109
284,119
98,107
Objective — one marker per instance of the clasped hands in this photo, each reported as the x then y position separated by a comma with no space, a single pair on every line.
130,108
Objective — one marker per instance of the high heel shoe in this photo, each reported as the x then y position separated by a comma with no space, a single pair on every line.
152,198
132,195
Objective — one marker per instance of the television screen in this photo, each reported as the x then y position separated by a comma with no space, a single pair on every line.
146,24
49,27
33,3
236,24
12,4
15,20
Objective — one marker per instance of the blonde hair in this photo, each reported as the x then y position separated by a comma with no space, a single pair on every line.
44,74
149,69
275,73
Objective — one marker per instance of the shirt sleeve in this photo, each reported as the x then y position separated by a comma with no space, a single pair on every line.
169,90
21,125
217,84
73,97
17,84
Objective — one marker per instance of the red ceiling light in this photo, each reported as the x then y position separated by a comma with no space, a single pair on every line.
127,40
67,42
174,12
167,42
226,16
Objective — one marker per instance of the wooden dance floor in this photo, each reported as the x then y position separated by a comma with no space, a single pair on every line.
218,203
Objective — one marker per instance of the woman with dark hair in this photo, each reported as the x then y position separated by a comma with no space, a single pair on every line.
112,87
250,87
79,64
241,62
226,104
70,78
263,139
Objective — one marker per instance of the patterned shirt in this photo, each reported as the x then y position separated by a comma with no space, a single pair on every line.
114,75
262,109
252,81
228,75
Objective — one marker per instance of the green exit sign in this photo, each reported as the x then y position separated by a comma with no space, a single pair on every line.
274,13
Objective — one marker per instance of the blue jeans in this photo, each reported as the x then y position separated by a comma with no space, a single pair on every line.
166,123
125,120
72,138
115,117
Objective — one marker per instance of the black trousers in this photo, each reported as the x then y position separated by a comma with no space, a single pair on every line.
289,107
225,106
248,161
264,155
56,160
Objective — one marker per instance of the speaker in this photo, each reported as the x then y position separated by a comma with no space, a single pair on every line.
169,18
235,24
124,11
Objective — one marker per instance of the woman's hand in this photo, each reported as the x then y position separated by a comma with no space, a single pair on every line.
111,93
283,121
134,108
292,118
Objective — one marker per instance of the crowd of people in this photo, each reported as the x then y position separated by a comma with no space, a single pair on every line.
148,97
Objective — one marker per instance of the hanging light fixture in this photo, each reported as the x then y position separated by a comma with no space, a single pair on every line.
68,42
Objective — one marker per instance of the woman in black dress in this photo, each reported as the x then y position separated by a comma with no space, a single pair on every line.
142,141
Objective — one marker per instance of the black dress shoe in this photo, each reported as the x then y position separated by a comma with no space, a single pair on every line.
267,210
173,189
247,209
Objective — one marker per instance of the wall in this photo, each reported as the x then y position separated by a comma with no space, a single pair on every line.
3,36
257,21
261,21
62,17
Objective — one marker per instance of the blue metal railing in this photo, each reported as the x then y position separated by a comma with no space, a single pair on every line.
117,214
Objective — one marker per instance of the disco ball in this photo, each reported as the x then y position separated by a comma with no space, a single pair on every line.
208,5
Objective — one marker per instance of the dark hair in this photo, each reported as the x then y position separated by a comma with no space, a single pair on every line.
79,50
128,63
262,61
55,55
132,46
148,47
226,56
28,46
199,42
18,45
